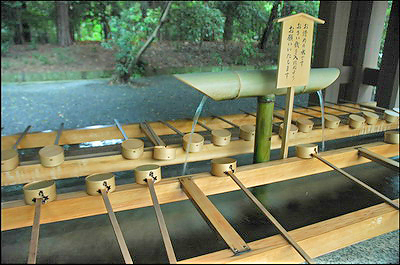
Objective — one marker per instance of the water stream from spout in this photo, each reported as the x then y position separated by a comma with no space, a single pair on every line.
195,119
321,103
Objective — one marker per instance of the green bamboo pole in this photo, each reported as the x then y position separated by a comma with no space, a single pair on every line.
262,143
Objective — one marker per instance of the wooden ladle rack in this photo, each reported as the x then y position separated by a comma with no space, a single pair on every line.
306,240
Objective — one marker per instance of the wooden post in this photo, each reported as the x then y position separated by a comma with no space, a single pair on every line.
287,122
294,62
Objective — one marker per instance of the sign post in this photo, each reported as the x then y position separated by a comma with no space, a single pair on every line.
294,62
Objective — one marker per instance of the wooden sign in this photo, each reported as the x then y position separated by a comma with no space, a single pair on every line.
295,50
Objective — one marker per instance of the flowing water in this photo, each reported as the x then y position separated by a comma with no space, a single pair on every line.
195,118
321,103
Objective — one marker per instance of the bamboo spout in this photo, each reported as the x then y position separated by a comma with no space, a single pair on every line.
252,83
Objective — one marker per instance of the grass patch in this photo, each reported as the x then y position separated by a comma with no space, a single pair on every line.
42,58
5,65
64,55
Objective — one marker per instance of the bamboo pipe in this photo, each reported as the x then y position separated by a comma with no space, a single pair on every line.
252,83
271,218
362,184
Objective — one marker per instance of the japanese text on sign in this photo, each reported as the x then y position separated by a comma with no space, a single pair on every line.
295,53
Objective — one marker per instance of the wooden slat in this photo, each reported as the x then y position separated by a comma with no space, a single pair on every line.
387,162
115,163
214,217
317,239
76,136
130,196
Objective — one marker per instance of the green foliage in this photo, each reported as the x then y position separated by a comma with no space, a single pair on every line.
5,65
91,31
129,31
6,39
194,21
216,57
389,8
248,50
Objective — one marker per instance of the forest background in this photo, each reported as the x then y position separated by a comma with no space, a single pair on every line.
132,38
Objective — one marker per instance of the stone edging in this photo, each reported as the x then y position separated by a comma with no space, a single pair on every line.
79,75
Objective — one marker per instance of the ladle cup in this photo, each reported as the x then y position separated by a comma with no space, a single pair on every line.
131,148
52,155
9,157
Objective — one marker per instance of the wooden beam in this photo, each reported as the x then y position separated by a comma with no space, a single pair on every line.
330,42
74,205
76,136
387,162
287,122
317,239
115,163
387,90
213,216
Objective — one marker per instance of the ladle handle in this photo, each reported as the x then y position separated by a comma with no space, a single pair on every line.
204,126
359,182
33,246
222,119
172,127
161,223
271,218
117,229
20,138
248,113
59,134
120,129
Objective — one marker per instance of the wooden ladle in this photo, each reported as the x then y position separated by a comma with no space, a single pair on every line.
131,148
52,155
9,157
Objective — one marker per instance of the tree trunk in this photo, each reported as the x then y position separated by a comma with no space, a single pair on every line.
63,32
228,32
154,34
229,12
18,33
268,28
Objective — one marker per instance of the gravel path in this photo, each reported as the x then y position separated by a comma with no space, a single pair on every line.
44,105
